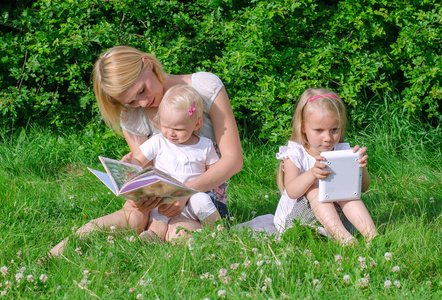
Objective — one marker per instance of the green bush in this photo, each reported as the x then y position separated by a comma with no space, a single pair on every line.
266,52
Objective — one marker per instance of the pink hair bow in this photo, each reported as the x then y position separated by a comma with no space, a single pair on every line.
191,108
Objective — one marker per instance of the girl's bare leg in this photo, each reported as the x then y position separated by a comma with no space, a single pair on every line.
128,216
326,214
358,215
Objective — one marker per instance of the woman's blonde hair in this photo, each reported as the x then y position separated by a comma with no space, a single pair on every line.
114,72
311,101
182,97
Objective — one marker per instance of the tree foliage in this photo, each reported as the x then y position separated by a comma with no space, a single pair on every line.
266,53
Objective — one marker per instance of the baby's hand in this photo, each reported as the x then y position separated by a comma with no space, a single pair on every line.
364,156
127,158
318,168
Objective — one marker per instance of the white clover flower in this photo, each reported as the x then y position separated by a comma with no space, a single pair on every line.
132,239
30,278
315,281
247,263
222,293
86,273
395,269
43,278
346,278
222,272
259,263
266,196
397,284
4,270
110,239
139,296
19,253
22,269
232,218
338,258
226,279
308,252
211,276
219,227
255,250
112,228
388,255
234,266
8,284
428,283
316,262
213,234
264,288
387,284
268,281
364,281
339,269
431,200
19,277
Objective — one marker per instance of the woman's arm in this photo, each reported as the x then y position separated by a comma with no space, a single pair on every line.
227,138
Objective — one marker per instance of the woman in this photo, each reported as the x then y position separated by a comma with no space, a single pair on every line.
129,86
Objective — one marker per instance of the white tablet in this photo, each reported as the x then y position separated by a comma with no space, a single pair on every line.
344,183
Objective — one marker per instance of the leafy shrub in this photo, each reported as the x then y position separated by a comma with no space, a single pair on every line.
266,52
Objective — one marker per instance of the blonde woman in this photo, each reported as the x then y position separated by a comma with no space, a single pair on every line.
129,86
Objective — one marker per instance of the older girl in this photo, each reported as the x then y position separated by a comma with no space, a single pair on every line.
318,125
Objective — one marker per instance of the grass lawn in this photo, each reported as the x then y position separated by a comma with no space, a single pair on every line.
47,192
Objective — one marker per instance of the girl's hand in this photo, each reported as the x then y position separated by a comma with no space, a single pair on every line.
318,169
173,209
146,204
364,156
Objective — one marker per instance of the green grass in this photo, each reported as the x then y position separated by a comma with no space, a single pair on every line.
47,191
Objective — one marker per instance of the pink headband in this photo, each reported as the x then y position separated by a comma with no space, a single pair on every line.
320,96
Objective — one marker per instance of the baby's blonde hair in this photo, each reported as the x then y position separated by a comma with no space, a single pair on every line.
182,97
333,106
114,72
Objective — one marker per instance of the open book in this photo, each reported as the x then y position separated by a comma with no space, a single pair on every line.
133,182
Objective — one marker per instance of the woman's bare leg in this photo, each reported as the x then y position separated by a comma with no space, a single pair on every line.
128,216
180,221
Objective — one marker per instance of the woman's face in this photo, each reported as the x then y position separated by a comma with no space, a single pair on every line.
147,91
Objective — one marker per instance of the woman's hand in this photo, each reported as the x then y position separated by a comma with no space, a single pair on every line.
174,208
146,204
364,156
318,168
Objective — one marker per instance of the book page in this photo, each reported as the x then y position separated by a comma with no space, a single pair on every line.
105,179
119,172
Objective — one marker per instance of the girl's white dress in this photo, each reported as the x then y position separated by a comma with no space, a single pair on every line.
299,209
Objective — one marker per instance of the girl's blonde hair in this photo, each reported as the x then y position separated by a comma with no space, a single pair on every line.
325,101
182,97
114,72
